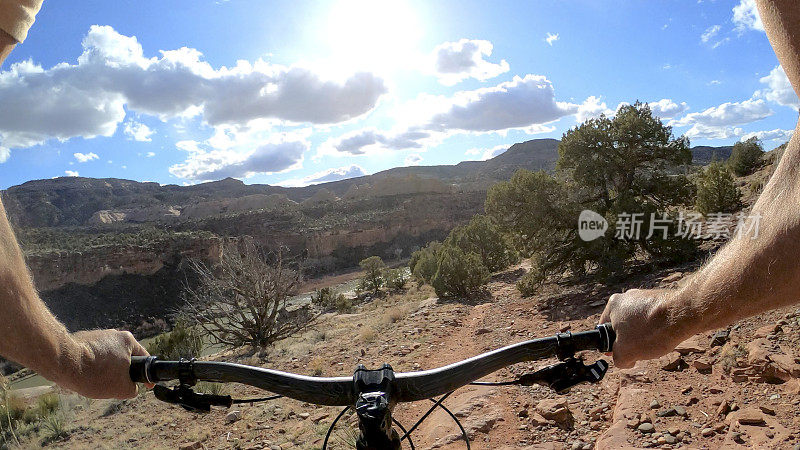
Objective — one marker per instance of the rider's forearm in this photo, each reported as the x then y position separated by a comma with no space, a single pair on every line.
749,276
29,334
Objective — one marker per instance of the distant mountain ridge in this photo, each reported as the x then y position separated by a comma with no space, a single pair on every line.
73,201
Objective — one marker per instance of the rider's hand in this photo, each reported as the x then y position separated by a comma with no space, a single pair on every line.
644,329
101,367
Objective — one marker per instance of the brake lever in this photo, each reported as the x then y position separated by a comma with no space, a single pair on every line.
562,376
190,400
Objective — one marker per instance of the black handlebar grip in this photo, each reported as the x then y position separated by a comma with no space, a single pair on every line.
140,370
607,337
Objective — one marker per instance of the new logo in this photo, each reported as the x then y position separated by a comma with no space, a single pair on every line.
591,225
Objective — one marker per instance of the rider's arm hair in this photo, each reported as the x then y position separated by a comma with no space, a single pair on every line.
749,276
29,333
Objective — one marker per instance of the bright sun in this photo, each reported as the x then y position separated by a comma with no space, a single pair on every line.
376,35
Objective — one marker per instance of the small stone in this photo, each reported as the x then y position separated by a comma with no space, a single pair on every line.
304,415
774,396
646,428
667,413
720,338
680,410
672,362
767,410
751,416
707,432
233,416
655,404
702,365
481,331
673,430
670,439
661,440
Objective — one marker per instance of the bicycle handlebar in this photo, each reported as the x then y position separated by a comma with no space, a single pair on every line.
408,386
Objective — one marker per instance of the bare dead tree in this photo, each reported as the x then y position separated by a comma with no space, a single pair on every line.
243,299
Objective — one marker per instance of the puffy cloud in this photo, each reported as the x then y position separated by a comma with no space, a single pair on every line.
488,153
413,160
335,174
215,164
592,108
551,38
71,173
527,104
779,89
700,131
746,17
521,103
89,98
667,109
150,154
138,131
326,176
85,157
457,61
367,140
770,135
4,154
727,114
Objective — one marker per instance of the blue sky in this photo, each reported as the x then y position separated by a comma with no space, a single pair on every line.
294,92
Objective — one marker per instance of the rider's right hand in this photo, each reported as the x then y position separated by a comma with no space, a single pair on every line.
100,366
644,327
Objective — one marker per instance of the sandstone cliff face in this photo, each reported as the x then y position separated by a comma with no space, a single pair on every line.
52,270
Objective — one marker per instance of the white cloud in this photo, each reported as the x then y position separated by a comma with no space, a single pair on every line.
71,173
90,98
551,38
727,114
522,103
667,109
592,108
526,104
370,140
326,176
138,131
454,62
488,153
779,89
746,17
214,164
4,154
714,83
700,131
770,135
710,33
413,160
85,157
150,154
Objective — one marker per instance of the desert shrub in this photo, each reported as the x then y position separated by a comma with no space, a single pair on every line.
396,279
530,282
183,341
393,315
54,427
716,191
243,299
47,404
211,388
458,274
373,268
327,299
746,157
482,237
424,262
615,167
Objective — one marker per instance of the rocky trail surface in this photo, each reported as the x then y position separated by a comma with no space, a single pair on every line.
735,388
